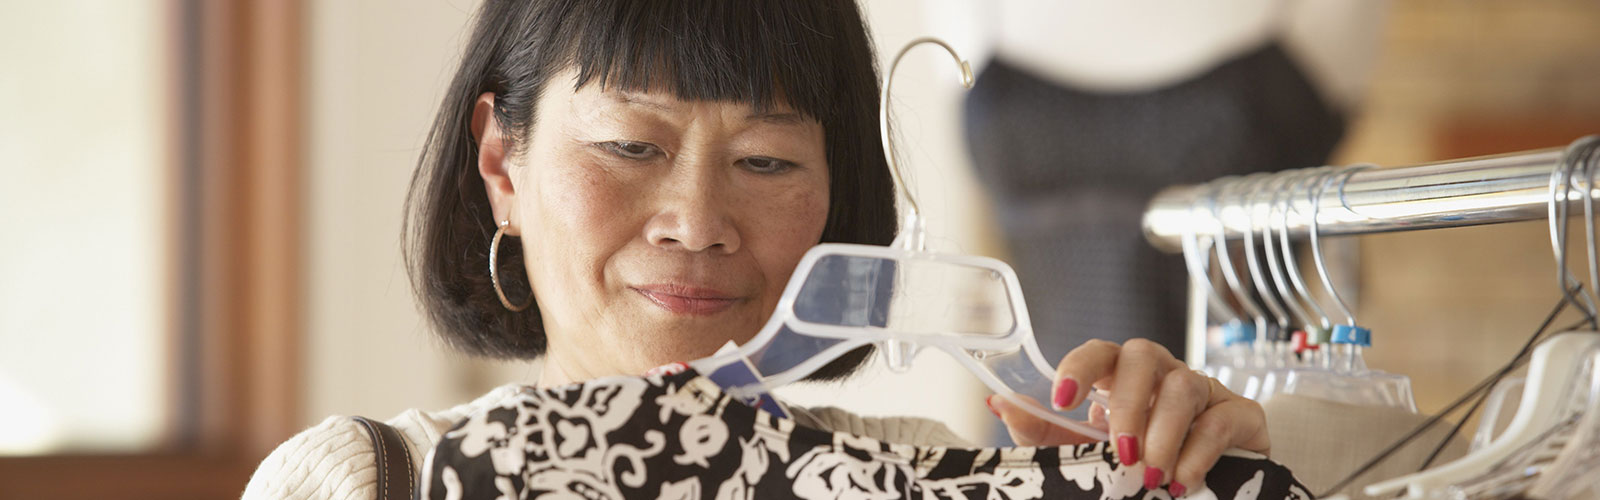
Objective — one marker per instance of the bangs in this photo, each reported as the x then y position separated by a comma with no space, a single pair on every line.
759,52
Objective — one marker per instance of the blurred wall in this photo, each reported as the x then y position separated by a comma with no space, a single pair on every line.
377,71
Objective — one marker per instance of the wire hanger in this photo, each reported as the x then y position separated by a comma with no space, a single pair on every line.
902,299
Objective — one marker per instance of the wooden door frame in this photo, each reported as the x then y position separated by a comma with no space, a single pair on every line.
238,96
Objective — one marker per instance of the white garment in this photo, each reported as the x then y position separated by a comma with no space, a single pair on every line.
335,460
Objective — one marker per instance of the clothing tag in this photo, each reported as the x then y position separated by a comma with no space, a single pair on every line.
740,380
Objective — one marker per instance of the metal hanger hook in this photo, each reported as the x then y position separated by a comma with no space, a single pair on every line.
1316,241
1561,184
1192,261
1290,260
1258,276
1220,188
883,112
1585,162
1276,265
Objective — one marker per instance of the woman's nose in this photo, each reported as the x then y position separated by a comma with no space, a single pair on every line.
694,218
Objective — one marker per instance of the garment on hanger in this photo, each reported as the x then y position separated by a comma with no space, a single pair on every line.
1325,440
677,435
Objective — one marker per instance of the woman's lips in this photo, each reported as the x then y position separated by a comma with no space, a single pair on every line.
687,300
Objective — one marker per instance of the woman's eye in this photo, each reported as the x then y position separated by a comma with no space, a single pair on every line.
630,150
766,165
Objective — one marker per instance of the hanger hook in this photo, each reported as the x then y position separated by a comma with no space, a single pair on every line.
1316,242
1275,264
883,112
1585,161
1191,260
1257,275
1290,263
1560,195
1225,260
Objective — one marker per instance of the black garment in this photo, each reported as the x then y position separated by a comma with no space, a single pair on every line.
1070,173
678,436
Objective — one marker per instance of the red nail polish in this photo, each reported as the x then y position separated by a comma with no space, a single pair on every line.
989,402
1152,478
1128,449
1066,390
1176,489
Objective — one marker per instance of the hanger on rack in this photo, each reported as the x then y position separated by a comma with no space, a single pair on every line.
903,299
1348,381
1244,357
1240,362
1559,390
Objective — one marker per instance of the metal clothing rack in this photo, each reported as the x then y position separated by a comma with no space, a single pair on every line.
1474,191
1484,190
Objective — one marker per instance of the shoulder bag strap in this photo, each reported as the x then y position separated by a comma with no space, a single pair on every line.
395,473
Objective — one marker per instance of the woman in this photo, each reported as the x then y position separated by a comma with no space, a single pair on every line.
664,166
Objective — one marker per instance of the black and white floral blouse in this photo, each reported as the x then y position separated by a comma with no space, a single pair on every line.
677,436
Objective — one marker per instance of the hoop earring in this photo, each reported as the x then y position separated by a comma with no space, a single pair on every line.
494,272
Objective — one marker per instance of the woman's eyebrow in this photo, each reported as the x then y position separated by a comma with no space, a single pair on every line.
780,117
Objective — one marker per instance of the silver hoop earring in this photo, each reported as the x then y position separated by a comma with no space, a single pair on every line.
494,270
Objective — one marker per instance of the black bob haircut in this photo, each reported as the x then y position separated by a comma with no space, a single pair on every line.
815,56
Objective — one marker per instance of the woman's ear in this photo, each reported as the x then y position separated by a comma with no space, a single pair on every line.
492,164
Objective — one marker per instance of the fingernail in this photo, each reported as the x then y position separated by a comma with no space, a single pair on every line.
989,402
1128,449
1066,389
1152,478
1176,489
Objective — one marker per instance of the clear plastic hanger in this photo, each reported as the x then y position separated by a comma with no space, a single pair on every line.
1572,471
1561,371
1326,354
1239,361
903,299
1349,381
1244,372
1277,263
1253,263
1314,318
1488,424
1273,350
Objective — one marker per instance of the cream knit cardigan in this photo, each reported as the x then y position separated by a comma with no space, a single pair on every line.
335,460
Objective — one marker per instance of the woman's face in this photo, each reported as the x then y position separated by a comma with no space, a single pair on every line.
655,229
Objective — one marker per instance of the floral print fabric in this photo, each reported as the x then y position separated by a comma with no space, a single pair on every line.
677,436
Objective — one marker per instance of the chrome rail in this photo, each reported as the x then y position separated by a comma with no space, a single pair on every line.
1485,190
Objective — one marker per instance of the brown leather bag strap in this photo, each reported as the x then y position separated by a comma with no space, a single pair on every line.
396,476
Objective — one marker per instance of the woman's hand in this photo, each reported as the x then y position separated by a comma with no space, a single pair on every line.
1173,418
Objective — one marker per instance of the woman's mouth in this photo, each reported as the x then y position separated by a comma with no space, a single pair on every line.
678,299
